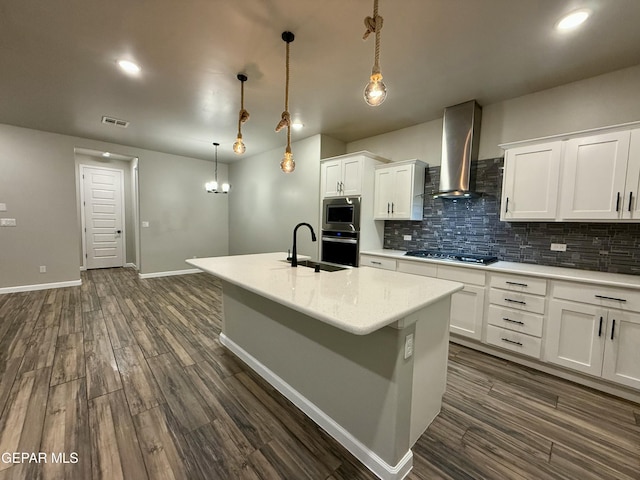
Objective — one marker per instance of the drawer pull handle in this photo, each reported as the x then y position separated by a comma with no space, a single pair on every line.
611,298
376,263
518,284
511,341
600,328
520,302
512,321
613,327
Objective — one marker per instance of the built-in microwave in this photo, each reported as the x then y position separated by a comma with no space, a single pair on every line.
341,214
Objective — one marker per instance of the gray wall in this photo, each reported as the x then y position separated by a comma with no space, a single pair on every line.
129,225
184,220
38,184
266,204
595,102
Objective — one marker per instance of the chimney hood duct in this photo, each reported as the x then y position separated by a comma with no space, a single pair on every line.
460,142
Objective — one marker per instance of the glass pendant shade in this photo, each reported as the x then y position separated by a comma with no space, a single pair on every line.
225,188
287,165
376,91
211,186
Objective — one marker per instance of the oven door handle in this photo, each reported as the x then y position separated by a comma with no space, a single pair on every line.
340,240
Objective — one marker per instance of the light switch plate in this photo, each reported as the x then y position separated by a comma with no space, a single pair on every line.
558,247
407,237
145,224
7,222
3,207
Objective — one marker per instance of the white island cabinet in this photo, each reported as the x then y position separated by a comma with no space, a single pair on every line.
362,351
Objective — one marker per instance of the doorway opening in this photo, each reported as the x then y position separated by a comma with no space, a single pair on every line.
107,193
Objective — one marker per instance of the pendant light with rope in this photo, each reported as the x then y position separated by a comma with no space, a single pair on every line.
376,91
243,116
287,165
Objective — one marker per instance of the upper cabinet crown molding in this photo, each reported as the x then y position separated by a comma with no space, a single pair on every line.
585,178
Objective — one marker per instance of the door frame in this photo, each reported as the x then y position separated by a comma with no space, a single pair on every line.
83,230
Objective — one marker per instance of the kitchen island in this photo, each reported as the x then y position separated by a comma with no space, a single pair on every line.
362,351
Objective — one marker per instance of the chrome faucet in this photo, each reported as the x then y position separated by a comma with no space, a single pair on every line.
294,254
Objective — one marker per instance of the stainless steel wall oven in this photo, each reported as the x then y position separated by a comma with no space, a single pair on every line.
340,240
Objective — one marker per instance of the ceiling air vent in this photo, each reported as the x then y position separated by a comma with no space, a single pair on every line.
115,122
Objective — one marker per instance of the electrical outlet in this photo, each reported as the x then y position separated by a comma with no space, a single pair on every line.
408,346
7,222
3,207
43,269
558,247
407,237
145,224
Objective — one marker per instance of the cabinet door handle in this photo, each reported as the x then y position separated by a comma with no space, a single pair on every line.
618,202
391,207
512,321
613,327
338,187
516,283
511,341
520,302
600,328
506,209
342,187
611,298
630,198
388,208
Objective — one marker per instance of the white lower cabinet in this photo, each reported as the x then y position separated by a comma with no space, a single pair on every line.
515,318
595,340
467,306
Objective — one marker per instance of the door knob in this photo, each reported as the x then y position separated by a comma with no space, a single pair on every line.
118,231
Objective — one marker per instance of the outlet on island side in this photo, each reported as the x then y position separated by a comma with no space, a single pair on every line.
558,247
43,269
407,237
408,346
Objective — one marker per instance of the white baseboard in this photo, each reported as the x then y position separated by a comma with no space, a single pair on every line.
170,273
130,265
40,286
368,458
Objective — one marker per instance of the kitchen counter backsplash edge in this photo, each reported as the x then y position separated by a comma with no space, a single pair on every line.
554,273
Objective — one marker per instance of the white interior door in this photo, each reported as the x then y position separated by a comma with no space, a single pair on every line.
103,218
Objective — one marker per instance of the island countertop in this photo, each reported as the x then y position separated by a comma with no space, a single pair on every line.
357,300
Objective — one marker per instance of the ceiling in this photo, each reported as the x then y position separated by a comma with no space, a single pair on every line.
59,73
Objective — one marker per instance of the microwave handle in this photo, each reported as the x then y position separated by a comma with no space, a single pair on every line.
340,240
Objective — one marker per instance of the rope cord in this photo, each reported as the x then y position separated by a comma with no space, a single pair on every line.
286,103
374,25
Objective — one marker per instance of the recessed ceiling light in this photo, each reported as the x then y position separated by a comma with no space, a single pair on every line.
573,20
297,125
106,154
129,67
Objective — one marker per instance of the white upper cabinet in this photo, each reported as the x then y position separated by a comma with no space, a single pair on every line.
631,206
398,191
576,178
594,173
530,187
343,176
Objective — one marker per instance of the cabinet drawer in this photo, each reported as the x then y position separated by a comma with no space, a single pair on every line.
608,297
516,320
514,341
417,268
518,283
463,275
377,262
517,301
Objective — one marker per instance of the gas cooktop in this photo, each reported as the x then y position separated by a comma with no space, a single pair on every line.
454,257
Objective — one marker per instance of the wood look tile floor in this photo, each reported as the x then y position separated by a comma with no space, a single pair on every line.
128,375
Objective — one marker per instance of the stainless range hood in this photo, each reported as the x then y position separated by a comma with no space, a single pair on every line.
460,142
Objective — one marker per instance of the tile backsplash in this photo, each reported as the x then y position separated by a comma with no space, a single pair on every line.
474,226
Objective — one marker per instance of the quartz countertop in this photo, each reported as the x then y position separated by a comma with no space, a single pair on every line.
357,300
554,273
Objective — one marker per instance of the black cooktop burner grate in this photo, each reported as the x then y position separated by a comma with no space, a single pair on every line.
454,257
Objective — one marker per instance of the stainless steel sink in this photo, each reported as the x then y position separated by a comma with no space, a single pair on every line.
326,267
